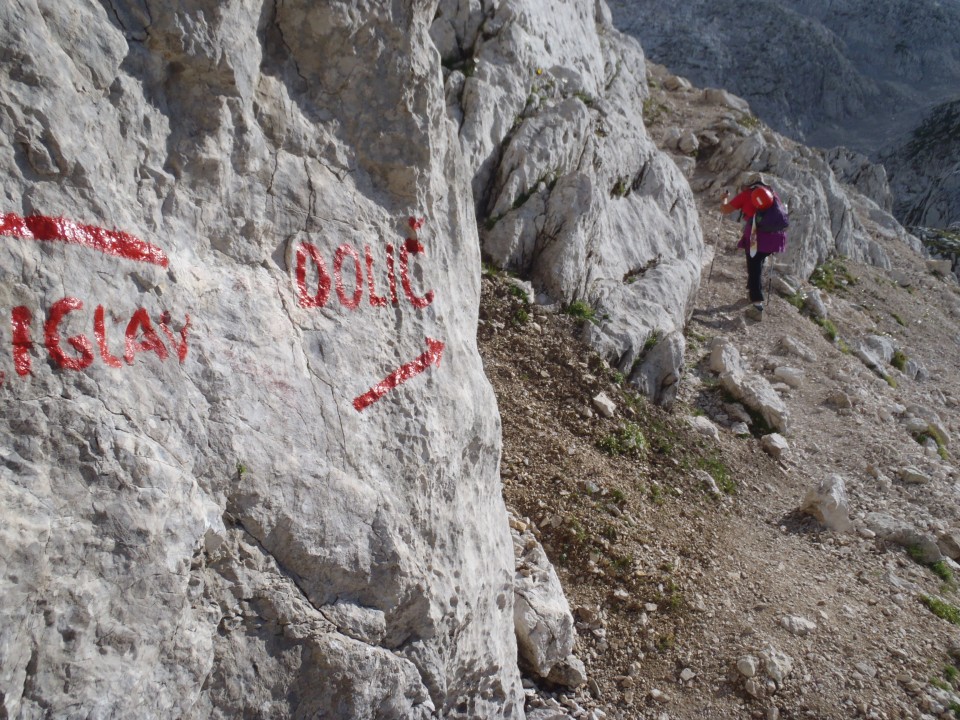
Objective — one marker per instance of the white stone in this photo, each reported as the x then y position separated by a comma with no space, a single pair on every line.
776,664
542,618
828,503
912,476
798,625
604,405
775,445
724,357
791,376
794,347
756,393
688,143
704,426
747,665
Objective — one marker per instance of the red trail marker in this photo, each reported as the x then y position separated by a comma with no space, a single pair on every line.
401,375
110,242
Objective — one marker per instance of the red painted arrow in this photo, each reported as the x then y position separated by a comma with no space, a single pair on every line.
110,242
401,375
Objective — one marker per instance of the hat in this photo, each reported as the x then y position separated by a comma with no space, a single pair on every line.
754,178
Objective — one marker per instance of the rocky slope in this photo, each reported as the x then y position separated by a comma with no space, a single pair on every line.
865,76
690,543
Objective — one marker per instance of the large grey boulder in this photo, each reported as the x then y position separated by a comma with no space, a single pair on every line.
249,457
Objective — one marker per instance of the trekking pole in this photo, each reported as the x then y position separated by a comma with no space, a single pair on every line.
716,242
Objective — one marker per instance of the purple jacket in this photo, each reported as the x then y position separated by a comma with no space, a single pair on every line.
767,242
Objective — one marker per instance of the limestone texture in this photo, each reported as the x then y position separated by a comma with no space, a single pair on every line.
198,519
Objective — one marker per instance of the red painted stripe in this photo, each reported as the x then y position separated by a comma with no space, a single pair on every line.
110,242
401,375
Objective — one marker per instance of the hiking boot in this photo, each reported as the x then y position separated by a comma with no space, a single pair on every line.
755,312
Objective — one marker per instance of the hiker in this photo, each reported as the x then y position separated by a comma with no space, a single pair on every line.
764,232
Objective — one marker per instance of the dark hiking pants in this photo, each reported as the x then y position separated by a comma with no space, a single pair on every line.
754,275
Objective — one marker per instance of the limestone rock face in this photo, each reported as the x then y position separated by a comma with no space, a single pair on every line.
569,188
248,457
925,170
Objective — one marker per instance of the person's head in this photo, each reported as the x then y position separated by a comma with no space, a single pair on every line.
753,179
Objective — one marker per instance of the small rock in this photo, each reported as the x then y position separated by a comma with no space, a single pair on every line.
782,287
839,400
704,426
675,82
776,664
570,673
604,405
949,543
798,625
775,445
688,143
829,505
813,302
912,476
707,480
748,666
791,376
794,347
740,428
686,675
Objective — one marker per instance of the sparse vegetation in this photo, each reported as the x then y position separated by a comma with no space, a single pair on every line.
832,275
585,97
829,329
651,341
899,360
628,440
943,571
941,609
620,188
580,310
652,111
796,300
719,472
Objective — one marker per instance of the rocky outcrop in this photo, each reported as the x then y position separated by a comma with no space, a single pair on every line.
249,458
570,190
826,215
925,171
